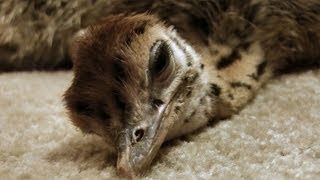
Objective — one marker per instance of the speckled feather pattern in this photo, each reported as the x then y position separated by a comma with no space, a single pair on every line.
241,45
36,34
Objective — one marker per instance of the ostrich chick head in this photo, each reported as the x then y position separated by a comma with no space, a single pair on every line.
137,84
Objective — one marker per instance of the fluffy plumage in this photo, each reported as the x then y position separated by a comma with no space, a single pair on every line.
36,34
138,82
155,83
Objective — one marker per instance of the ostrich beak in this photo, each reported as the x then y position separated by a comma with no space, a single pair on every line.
138,145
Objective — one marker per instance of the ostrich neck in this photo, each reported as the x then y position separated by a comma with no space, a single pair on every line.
196,110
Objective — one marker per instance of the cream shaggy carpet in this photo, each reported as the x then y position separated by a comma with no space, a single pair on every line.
276,137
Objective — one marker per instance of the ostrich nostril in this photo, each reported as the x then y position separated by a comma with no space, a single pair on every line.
156,103
138,135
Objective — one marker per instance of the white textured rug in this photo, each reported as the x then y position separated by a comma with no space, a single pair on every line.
276,137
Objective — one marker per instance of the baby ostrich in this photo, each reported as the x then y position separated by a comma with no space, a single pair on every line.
141,79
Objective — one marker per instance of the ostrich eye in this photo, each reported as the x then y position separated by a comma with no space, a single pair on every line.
160,57
162,65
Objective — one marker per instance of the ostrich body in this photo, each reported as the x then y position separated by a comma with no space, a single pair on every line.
156,70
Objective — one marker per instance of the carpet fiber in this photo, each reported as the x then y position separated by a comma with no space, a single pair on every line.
277,136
